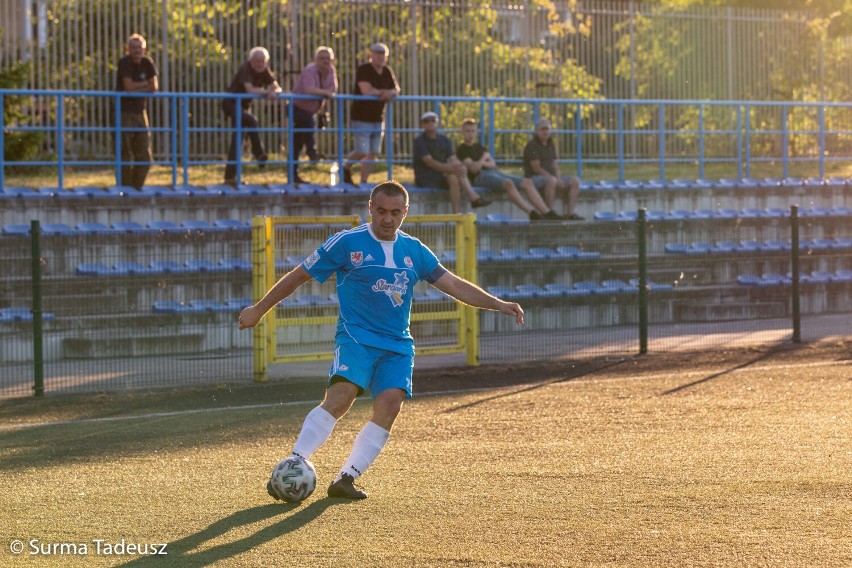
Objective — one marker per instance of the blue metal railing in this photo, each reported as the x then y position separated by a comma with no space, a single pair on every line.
604,133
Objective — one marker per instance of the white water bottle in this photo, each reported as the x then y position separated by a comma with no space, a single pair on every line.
334,177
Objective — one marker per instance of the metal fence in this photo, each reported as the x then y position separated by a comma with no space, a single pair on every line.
132,307
622,138
584,49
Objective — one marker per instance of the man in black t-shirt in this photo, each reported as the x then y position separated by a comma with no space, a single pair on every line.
136,74
254,77
541,168
482,171
367,117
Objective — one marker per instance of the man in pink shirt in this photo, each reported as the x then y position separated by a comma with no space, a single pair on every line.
317,78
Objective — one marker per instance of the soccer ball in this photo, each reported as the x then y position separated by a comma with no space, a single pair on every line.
293,479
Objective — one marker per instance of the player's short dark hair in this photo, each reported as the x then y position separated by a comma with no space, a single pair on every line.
467,121
390,188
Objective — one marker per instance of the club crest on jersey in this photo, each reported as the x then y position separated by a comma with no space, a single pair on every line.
393,291
356,257
408,262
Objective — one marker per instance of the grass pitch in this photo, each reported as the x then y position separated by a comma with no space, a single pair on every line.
737,459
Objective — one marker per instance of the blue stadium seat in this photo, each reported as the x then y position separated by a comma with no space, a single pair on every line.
726,213
843,275
503,292
653,286
169,267
724,247
131,269
95,228
235,264
541,253
57,229
94,269
196,225
203,265
448,256
750,246
555,289
749,280
165,226
62,193
502,218
355,189
817,244
588,286
287,264
231,224
842,242
774,245
815,182
703,214
821,276
604,216
774,279
483,255
775,212
16,314
25,193
205,305
615,285
771,182
130,227
699,247
676,248
237,304
527,291
751,213
190,190
628,215
654,215
680,214
840,211
174,307
16,230
815,212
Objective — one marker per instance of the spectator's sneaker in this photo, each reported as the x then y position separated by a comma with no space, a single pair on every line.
481,202
553,216
536,216
344,488
347,176
575,217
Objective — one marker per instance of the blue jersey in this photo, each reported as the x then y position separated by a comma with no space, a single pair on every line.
375,284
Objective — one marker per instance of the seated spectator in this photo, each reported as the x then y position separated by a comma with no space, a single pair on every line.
482,171
541,168
436,165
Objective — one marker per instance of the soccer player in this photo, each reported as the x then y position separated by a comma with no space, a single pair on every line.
377,266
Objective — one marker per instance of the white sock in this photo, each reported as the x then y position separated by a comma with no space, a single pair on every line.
367,447
315,431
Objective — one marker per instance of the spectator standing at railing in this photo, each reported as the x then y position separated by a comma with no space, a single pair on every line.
482,171
253,77
367,118
317,78
136,73
436,165
540,167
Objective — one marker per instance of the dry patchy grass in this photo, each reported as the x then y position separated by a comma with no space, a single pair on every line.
745,461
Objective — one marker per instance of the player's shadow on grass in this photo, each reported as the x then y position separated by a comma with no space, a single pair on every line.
182,552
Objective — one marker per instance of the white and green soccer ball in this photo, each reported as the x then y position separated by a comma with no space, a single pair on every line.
293,479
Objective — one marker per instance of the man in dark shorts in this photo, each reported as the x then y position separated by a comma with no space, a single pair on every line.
436,165
256,78
136,73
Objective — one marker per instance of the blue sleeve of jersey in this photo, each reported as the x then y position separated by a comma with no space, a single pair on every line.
326,260
428,265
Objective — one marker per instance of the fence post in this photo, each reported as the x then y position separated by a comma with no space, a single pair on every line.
643,281
794,265
38,338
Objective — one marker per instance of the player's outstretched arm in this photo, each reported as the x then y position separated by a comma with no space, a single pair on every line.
288,283
472,295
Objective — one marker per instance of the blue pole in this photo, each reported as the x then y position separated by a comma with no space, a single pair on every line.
291,159
60,143
620,126
748,140
118,180
785,141
184,136
739,142
389,140
578,119
661,143
701,141
491,127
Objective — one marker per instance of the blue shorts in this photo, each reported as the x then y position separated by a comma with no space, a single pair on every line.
368,136
491,178
372,369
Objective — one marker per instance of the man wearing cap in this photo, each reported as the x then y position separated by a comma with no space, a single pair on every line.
436,164
367,117
540,166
